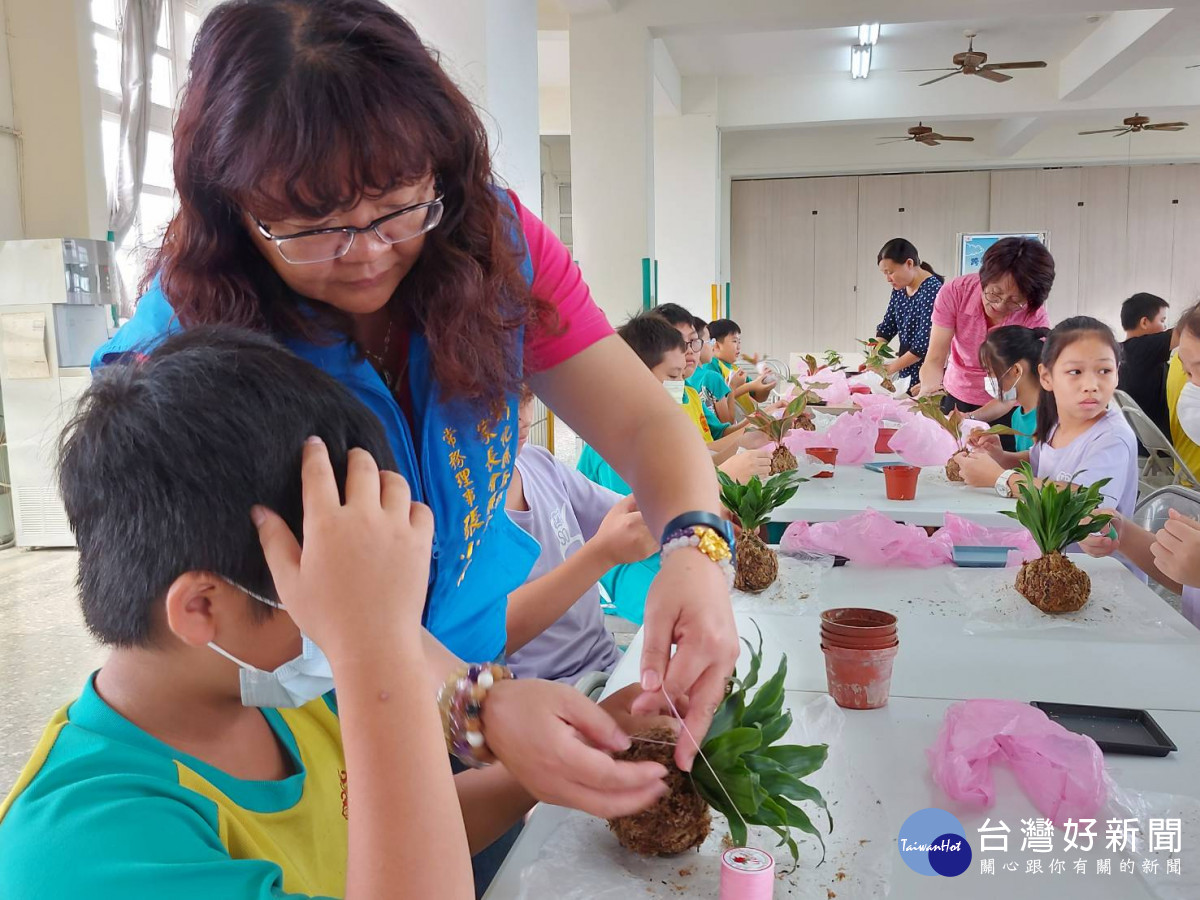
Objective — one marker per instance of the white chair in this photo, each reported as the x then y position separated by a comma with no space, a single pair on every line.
1151,511
1163,464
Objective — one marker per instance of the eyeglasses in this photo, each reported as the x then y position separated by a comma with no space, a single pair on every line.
324,244
998,299
695,345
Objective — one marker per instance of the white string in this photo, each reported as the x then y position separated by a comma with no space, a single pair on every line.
700,753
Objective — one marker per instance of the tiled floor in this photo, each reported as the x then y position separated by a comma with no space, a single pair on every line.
45,652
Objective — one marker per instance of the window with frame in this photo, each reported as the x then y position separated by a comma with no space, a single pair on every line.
177,29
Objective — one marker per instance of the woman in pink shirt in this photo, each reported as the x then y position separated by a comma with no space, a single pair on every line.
1010,289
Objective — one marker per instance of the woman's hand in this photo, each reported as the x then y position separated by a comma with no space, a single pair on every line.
623,535
741,467
1108,541
620,707
1176,549
986,443
688,605
557,742
978,468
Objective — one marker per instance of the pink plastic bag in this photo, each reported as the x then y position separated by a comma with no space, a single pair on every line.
962,532
881,408
869,538
923,442
1060,771
852,434
836,394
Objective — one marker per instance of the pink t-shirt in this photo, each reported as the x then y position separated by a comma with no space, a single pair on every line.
557,280
959,307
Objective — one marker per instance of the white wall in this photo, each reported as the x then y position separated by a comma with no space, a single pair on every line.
803,249
556,171
686,204
10,184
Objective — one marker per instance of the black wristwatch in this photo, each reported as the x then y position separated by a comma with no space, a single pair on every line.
699,517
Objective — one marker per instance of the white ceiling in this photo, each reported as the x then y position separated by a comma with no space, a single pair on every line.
783,66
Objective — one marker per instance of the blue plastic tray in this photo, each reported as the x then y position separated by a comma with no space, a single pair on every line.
981,557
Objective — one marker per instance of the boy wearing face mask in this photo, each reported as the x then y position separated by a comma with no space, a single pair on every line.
208,757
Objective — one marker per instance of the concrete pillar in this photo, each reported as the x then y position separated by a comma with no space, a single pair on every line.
687,202
489,47
56,108
612,157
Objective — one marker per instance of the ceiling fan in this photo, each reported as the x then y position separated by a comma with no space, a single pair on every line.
1136,123
974,62
923,134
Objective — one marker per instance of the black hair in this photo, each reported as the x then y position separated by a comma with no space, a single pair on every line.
900,250
700,324
166,455
1027,261
719,329
675,314
651,336
1064,334
1010,344
1190,321
1140,306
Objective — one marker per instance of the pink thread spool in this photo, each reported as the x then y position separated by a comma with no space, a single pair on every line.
747,874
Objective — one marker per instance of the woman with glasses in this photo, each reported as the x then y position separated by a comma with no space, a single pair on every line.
1010,289
336,191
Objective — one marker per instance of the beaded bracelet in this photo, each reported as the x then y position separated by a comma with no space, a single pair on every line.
707,540
460,701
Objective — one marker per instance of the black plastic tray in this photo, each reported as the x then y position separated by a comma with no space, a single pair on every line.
1114,730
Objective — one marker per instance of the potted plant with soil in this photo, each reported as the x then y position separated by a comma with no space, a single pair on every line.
751,504
878,355
743,773
795,415
1057,515
931,408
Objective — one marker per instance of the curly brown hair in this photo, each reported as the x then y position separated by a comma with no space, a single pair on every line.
307,107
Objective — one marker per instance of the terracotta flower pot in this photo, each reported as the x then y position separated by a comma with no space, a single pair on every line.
827,455
859,642
883,443
901,481
852,620
859,679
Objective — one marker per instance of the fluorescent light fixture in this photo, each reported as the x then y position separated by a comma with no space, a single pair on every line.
860,61
868,33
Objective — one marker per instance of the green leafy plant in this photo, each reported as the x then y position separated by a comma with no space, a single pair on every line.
1057,515
795,415
751,503
833,359
878,354
761,777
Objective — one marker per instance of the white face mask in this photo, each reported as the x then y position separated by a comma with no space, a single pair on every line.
293,684
675,389
991,384
1188,411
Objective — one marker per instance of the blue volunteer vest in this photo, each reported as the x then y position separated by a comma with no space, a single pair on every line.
458,462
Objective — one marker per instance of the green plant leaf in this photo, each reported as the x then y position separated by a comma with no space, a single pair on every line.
729,715
768,700
751,678
741,784
798,760
774,729
779,782
725,749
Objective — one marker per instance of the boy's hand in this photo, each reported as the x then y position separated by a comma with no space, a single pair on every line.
359,583
623,534
741,467
1176,549
752,439
737,377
